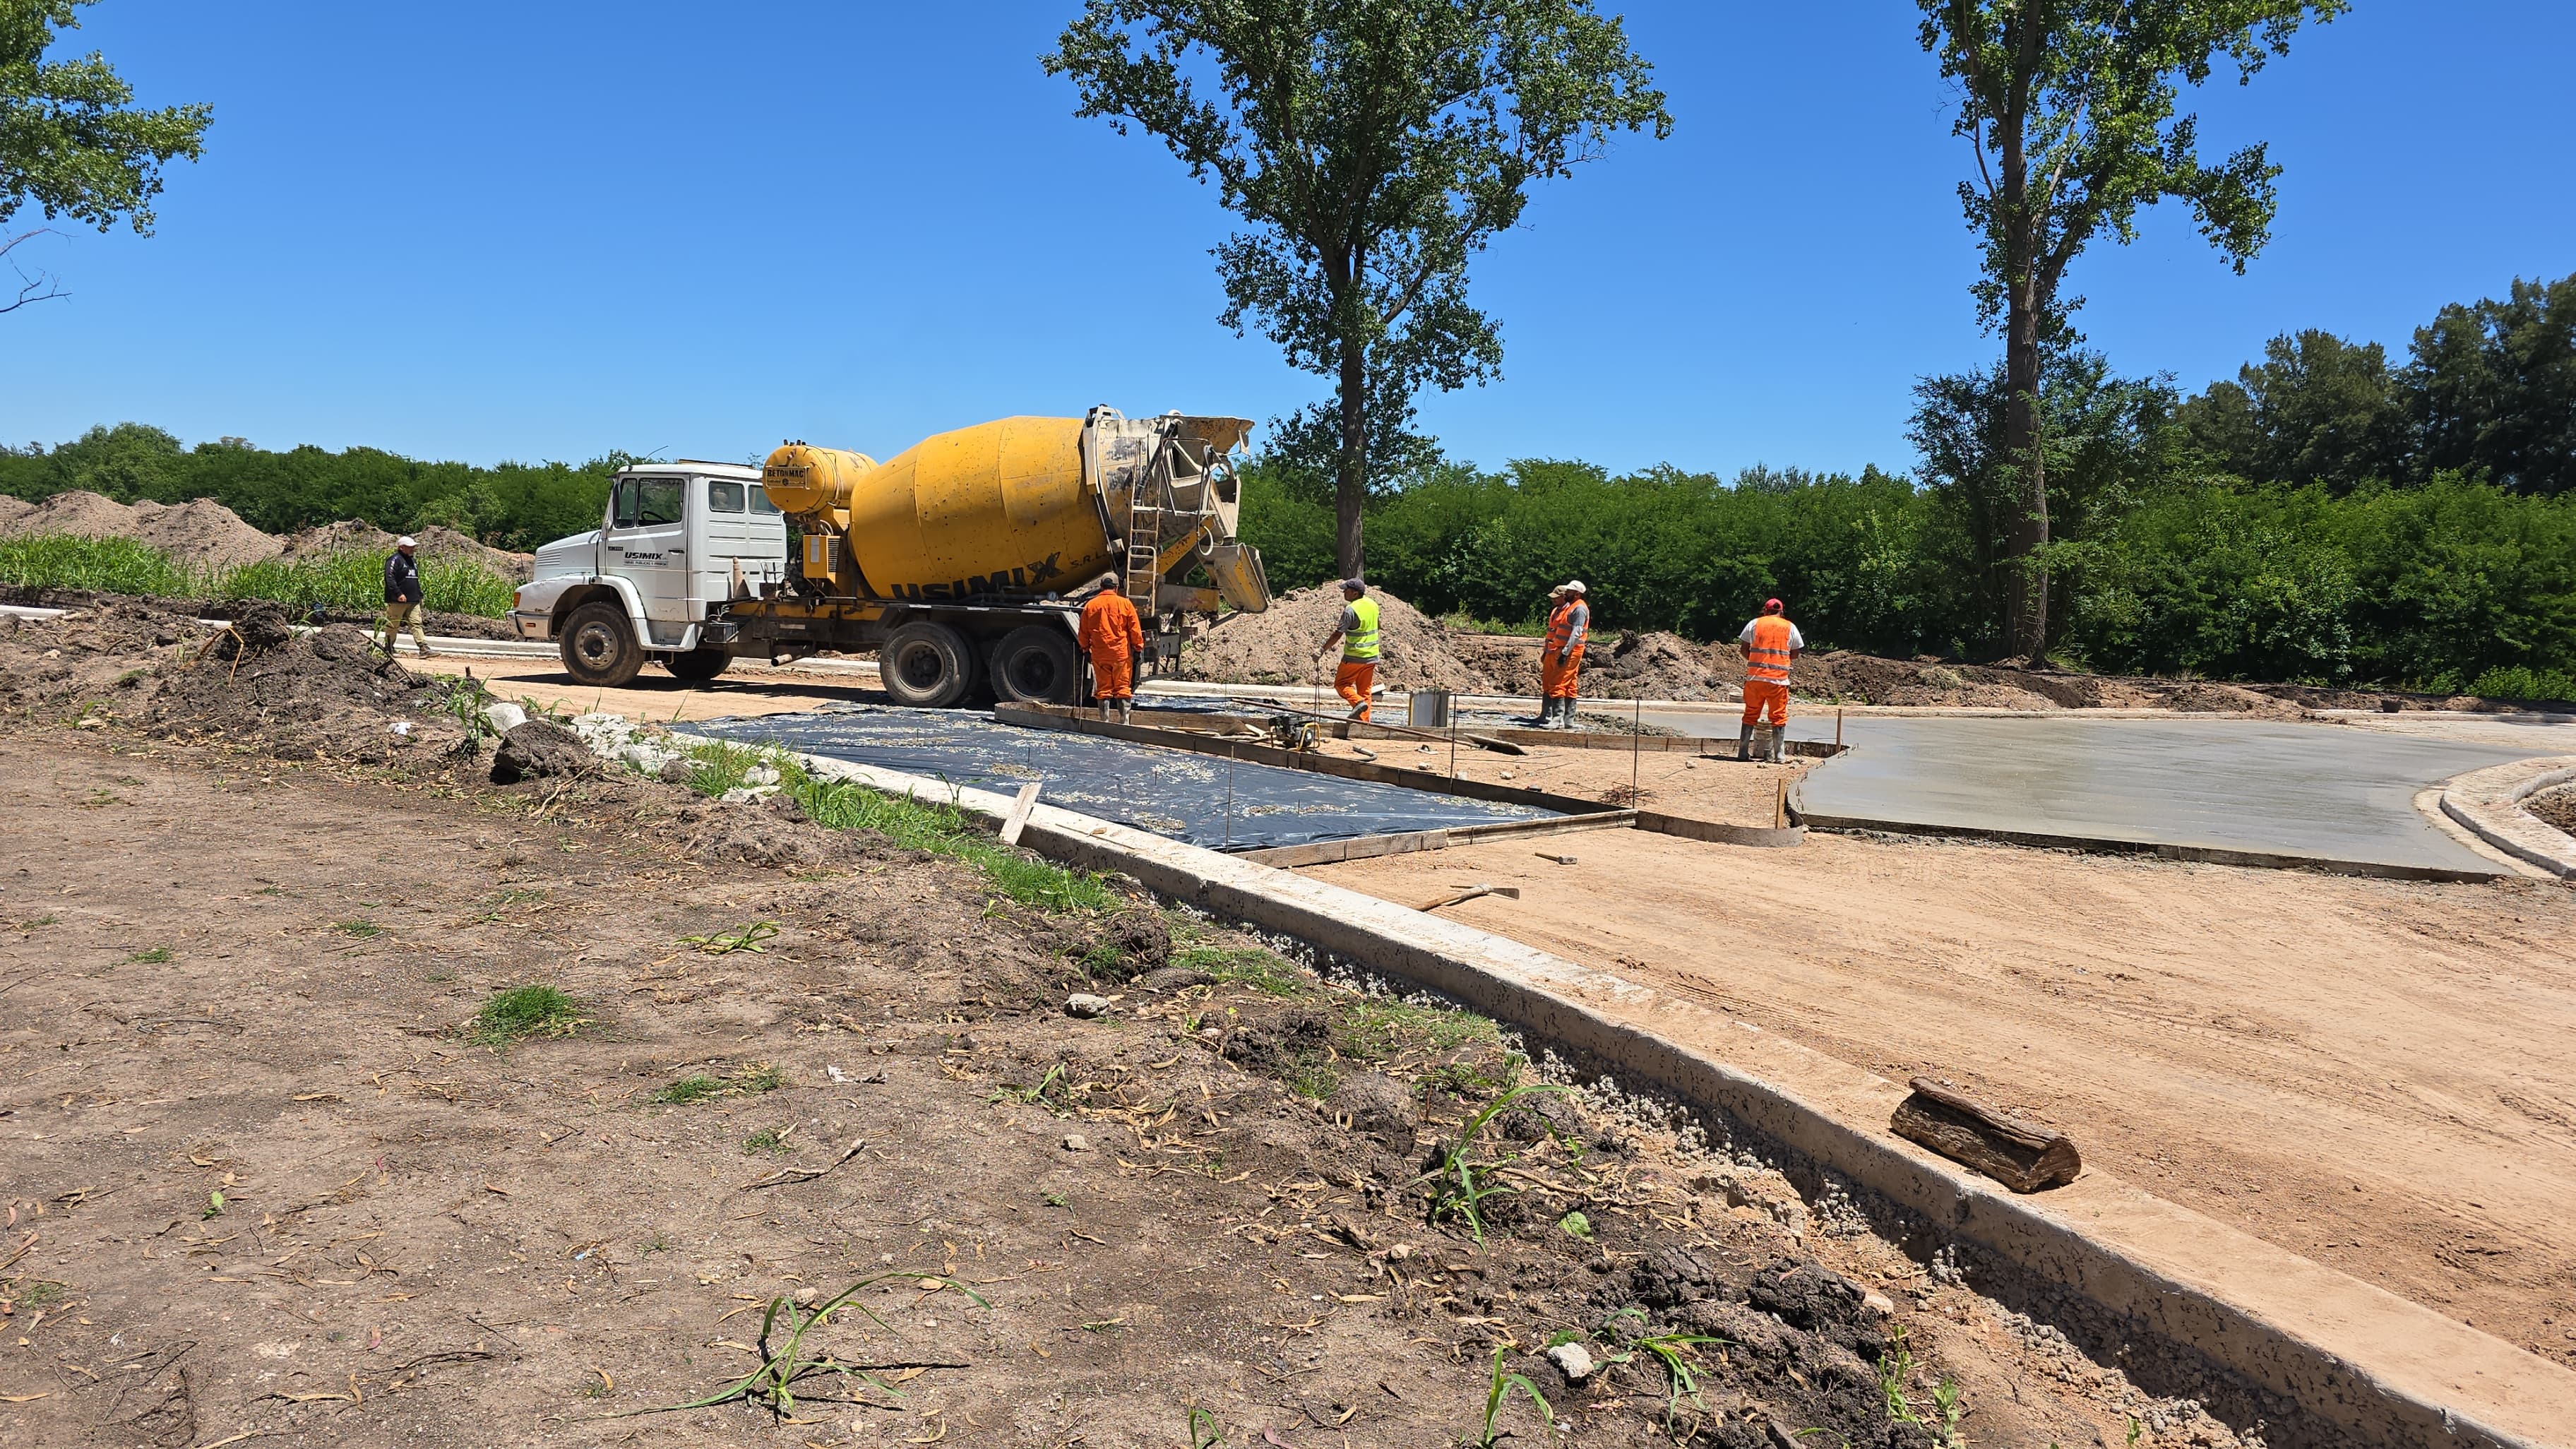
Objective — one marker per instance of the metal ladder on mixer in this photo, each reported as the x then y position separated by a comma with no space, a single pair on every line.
1144,538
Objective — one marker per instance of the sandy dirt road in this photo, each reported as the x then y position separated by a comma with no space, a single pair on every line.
654,695
2379,1075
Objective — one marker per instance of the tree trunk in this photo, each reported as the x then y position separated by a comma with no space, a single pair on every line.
2026,530
1350,483
2026,518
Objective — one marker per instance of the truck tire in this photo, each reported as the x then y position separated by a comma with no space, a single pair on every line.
1035,664
698,665
599,647
926,666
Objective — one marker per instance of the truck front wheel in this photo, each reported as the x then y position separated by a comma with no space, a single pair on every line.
599,647
1035,664
698,665
926,666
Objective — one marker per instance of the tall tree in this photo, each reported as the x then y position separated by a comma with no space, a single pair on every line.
2070,105
1374,146
2316,409
2494,387
71,142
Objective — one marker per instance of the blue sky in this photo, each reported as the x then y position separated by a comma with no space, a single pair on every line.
484,232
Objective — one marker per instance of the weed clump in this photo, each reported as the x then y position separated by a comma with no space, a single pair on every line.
523,1012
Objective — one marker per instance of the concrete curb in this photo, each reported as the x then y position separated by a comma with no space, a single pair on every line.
2200,854
2488,803
2324,1358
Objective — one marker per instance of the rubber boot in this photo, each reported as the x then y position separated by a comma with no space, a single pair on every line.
1126,711
1779,743
1565,715
1744,745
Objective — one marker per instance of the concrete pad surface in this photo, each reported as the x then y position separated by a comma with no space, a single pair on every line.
2299,789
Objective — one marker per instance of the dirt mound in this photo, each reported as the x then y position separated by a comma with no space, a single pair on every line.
1278,646
202,534
774,832
2556,806
13,508
93,515
2200,697
436,542
1658,665
324,695
96,663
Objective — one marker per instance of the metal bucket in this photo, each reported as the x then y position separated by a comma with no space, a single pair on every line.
1428,709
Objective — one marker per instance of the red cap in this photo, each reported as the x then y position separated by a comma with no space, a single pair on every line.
1770,606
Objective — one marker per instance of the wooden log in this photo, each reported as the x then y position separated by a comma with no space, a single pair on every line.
2022,1155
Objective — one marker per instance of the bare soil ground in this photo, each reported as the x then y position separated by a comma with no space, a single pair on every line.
2379,1075
268,1183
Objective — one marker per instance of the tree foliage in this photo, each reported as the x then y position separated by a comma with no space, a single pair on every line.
512,505
72,142
2070,106
1374,147
2489,389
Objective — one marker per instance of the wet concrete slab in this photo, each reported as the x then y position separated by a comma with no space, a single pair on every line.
2328,791
1201,799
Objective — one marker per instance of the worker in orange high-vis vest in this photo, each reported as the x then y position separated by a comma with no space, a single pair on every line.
1768,644
1355,629
1113,636
1560,659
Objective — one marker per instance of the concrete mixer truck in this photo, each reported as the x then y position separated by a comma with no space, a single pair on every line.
951,560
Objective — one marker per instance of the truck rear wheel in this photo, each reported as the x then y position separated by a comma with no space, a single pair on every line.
599,646
1036,664
698,665
926,666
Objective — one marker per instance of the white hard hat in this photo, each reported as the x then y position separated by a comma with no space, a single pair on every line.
1573,586
406,541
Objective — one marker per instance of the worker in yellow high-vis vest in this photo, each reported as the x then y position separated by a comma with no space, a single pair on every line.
1356,632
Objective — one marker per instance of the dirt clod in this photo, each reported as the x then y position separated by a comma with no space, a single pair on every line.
541,750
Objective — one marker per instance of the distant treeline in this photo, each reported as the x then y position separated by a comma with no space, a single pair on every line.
512,505
2326,517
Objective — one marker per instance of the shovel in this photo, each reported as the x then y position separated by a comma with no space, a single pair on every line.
1469,894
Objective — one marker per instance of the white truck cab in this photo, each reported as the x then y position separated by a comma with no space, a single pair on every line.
676,544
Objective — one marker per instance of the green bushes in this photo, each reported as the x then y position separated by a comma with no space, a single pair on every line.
513,505
346,583
2450,585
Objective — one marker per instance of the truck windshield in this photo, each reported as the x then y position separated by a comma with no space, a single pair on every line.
656,500
724,497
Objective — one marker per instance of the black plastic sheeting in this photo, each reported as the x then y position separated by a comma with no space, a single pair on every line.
1170,792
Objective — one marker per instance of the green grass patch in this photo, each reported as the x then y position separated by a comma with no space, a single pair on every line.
694,1088
109,565
525,1011
152,957
361,928
343,583
772,1140
912,824
353,583
1251,966
697,1087
1373,1028
36,1293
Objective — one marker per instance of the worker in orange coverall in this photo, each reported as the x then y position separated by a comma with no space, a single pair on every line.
1113,636
1769,644
1560,659
1355,630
